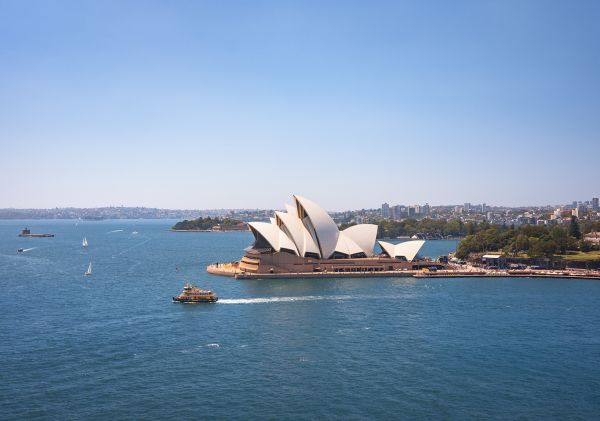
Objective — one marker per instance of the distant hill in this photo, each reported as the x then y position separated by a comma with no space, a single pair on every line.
210,224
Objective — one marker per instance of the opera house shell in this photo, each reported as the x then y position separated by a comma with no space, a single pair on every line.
305,239
307,230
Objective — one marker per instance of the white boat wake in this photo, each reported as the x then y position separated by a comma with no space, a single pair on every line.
110,232
265,300
26,250
131,248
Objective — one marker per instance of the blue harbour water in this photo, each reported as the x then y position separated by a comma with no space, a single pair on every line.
114,346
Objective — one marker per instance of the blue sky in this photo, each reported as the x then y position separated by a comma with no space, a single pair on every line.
190,104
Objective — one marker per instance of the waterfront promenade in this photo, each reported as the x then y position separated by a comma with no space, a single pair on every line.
454,271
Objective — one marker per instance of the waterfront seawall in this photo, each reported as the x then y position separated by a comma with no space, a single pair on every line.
231,270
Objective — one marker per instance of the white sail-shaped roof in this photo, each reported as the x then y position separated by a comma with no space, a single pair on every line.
276,237
298,232
307,230
285,242
292,225
269,232
319,224
364,235
309,244
346,245
388,248
408,249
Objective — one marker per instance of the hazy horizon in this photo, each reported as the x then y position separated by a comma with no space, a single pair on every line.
186,105
289,201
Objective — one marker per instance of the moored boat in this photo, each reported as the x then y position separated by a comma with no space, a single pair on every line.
193,294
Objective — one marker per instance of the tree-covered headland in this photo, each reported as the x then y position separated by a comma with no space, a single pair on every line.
528,240
445,228
207,223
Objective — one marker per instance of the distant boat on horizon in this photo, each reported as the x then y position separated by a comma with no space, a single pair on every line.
84,243
88,272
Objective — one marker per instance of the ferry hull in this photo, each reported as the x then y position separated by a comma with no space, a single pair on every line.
201,300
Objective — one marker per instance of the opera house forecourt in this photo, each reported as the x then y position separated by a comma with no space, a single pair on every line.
305,241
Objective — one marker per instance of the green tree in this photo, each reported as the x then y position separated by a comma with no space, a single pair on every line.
561,237
470,228
452,228
541,247
574,228
346,225
467,246
521,243
584,246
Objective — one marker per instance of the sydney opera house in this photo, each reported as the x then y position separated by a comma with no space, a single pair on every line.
304,239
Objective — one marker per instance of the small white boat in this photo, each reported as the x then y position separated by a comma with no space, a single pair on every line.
135,233
88,272
84,243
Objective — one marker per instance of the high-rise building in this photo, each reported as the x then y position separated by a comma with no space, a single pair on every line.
483,208
574,204
595,204
385,211
425,209
396,212
466,207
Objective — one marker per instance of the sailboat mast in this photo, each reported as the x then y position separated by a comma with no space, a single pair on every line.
88,272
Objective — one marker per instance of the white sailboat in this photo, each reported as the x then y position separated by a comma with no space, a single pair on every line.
84,243
88,272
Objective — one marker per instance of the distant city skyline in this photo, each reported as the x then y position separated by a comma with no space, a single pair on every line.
209,105
386,209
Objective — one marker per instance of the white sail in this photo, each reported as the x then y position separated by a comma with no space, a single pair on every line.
88,272
84,243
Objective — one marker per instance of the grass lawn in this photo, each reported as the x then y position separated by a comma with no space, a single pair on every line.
580,256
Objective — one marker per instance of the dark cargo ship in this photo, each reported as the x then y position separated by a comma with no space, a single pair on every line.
27,233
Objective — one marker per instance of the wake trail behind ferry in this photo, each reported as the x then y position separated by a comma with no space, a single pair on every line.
266,300
26,250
